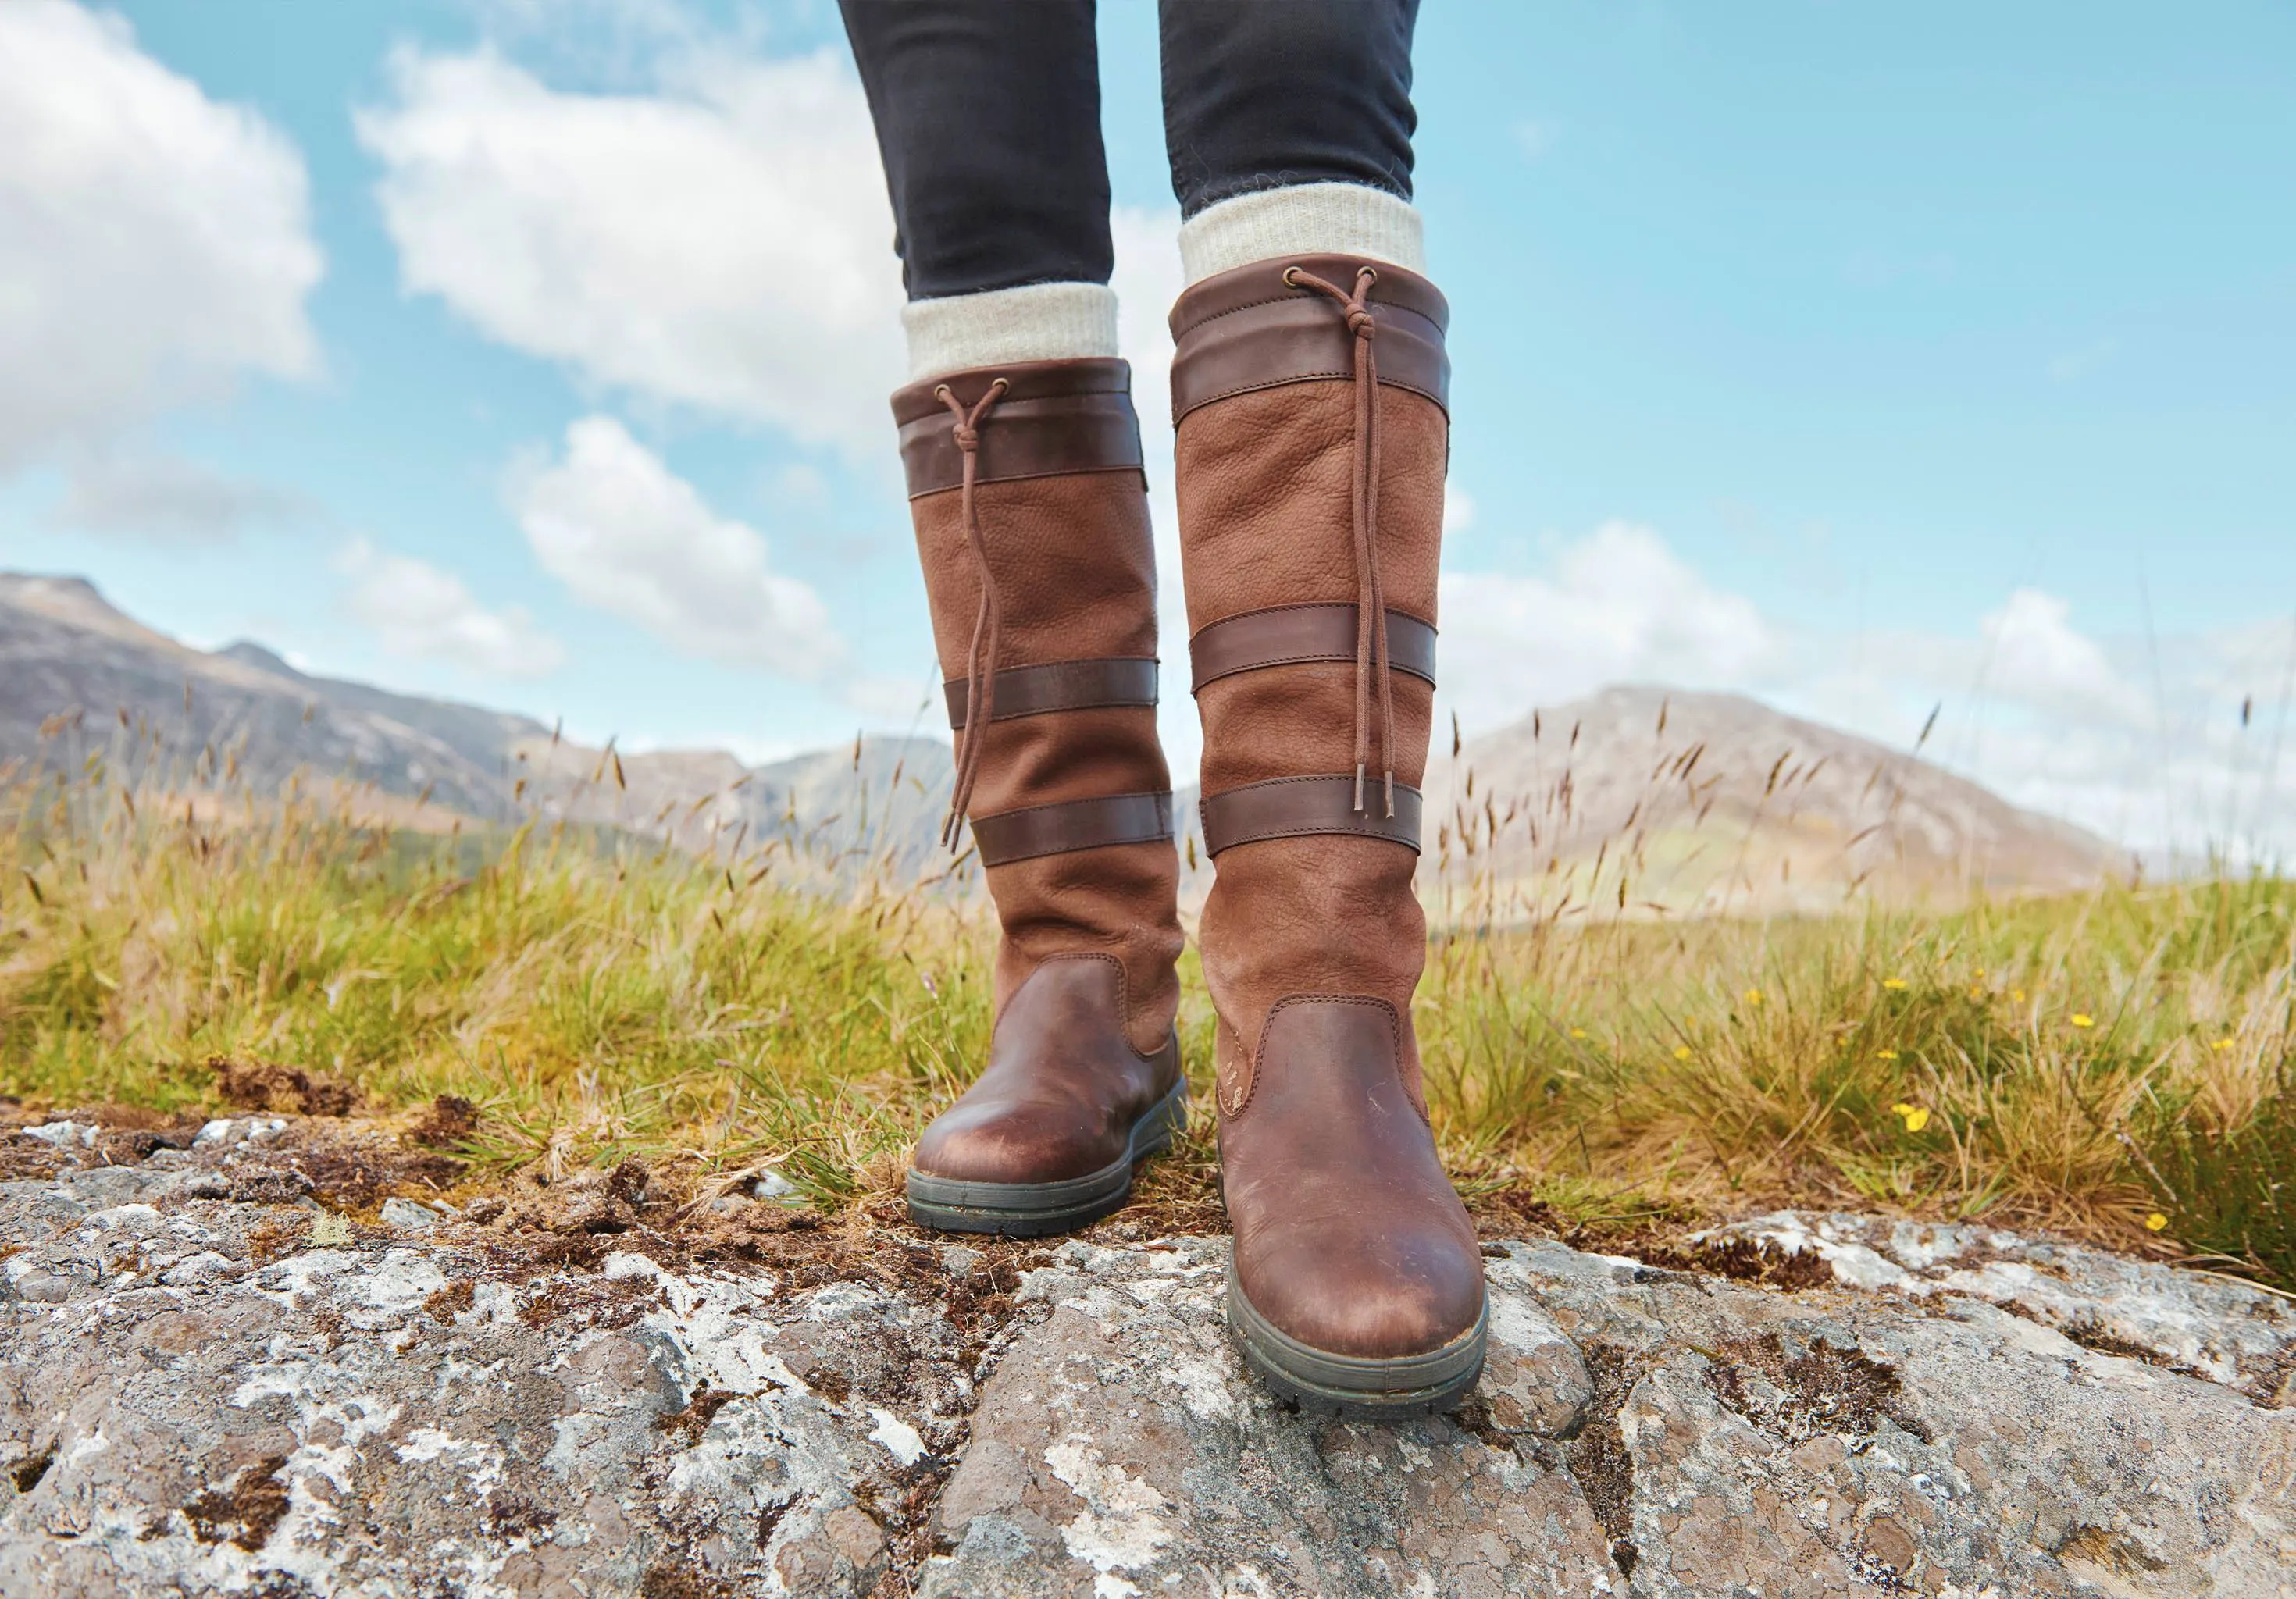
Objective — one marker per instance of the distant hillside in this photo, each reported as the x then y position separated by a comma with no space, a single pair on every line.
1695,802
1705,802
78,678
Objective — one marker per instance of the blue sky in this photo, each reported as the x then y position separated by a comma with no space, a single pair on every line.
1863,358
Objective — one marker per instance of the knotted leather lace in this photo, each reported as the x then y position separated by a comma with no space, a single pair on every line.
1371,602
981,658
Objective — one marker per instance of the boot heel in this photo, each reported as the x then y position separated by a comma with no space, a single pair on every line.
1161,1125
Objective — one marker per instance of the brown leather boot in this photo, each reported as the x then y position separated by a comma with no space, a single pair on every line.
1032,524
1309,394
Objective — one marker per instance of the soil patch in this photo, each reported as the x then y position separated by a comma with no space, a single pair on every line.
448,1123
1598,1456
691,1423
1822,1389
268,1086
1744,1259
247,1512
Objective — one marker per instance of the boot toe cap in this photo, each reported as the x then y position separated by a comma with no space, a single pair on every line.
1023,1143
1374,1296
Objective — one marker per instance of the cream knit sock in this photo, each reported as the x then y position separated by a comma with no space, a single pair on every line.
1346,219
1036,321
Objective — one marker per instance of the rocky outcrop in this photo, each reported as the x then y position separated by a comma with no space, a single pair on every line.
207,1394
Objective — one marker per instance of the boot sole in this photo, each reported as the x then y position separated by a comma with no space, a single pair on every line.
1034,1209
1356,1387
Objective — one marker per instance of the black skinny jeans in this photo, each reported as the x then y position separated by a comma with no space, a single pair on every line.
987,116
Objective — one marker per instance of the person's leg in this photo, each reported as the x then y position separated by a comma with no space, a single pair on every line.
1289,128
987,119
1308,391
1025,486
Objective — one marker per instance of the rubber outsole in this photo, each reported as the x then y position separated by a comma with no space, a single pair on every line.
1035,1210
1357,1388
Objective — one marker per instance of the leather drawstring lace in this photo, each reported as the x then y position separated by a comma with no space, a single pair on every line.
981,658
1371,601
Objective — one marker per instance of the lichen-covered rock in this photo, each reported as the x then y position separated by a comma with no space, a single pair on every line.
1645,1431
1120,1449
2214,1327
203,1392
1839,1442
426,1417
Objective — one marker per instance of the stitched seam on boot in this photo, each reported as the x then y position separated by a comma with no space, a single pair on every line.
1264,662
1378,304
1320,833
1034,476
1250,1068
1306,377
1123,999
1394,1034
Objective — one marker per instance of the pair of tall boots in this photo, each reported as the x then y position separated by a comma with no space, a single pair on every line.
1309,396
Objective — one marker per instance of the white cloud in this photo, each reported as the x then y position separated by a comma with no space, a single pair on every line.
154,243
899,701
2034,653
1619,607
1458,510
418,611
166,498
723,242
2139,739
627,535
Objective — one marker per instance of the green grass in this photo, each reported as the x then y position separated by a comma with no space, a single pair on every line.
2090,1064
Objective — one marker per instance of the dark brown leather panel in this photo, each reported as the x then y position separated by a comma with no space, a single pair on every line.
1018,835
1348,1236
1292,634
1291,808
1060,685
1026,438
1249,329
1227,292
1023,381
1065,1085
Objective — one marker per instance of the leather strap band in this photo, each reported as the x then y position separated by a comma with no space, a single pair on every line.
1288,808
1018,835
1061,686
1289,634
1247,329
1054,417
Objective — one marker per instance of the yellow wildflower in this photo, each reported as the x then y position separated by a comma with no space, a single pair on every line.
2018,995
1885,1054
2155,1221
1753,996
2224,1044
1578,1032
1682,1051
1893,982
1915,1117
2083,1022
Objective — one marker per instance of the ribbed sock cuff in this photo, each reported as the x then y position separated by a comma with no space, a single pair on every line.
1342,219
1036,321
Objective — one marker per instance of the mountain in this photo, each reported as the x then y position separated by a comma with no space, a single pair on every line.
1639,799
80,679
1705,802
